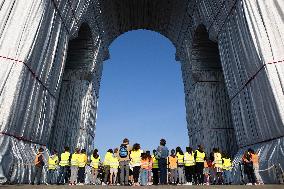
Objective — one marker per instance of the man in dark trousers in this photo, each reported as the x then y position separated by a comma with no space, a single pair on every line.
39,163
162,155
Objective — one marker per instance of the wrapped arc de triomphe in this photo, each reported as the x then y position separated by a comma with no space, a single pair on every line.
231,54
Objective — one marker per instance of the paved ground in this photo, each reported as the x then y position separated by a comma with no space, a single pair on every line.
146,187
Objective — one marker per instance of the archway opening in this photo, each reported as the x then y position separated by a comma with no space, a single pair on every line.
141,95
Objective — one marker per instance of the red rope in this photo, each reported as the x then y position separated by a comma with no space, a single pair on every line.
32,72
254,76
204,82
21,138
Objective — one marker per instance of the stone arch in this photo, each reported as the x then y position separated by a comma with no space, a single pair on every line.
76,104
169,18
207,102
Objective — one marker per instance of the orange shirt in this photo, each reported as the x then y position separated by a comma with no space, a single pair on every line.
145,164
254,159
172,162
150,163
205,164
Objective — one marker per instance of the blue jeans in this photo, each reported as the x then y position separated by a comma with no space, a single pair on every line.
51,176
63,175
144,177
227,177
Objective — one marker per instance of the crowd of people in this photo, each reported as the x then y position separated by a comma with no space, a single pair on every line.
131,166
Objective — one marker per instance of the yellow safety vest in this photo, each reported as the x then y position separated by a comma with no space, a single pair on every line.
64,159
227,165
114,163
52,162
75,159
199,156
155,162
180,159
217,160
82,160
189,159
95,162
135,157
107,159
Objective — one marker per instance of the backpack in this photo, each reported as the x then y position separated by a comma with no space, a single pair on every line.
37,161
123,152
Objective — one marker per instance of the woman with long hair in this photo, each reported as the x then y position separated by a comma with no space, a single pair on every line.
95,162
135,161
180,163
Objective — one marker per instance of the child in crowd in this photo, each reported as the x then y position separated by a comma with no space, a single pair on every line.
206,172
180,164
114,164
150,160
144,169
95,163
227,168
172,165
135,162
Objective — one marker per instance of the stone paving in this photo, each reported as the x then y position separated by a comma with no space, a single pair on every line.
154,187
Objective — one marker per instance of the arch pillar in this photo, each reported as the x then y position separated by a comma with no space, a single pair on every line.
207,102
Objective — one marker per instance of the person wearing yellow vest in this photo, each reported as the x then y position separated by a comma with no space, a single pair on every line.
217,164
189,165
172,165
106,164
199,157
227,167
74,167
180,164
64,166
114,164
135,161
82,162
52,166
155,168
38,163
95,162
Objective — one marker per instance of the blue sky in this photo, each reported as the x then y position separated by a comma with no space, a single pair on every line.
141,94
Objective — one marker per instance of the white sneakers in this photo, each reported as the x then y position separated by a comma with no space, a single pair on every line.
188,183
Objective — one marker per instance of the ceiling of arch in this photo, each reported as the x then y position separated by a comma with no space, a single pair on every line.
167,17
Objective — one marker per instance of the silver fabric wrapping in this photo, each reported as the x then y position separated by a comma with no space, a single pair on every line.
42,103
